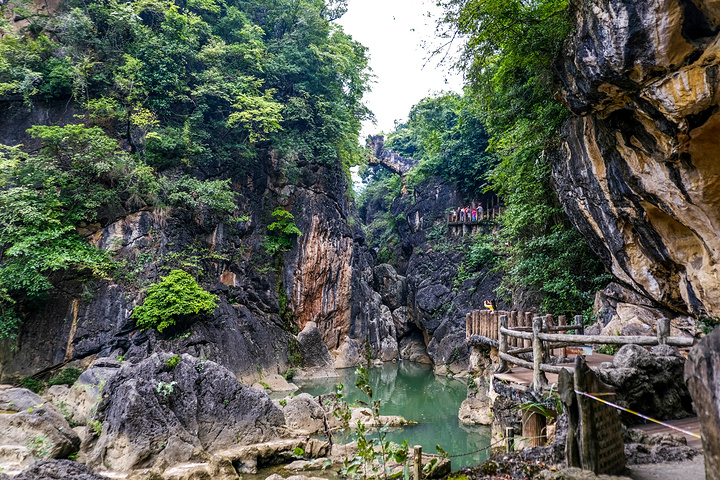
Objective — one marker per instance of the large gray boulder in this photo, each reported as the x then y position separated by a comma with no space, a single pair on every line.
79,402
304,415
649,382
155,415
30,429
391,286
314,352
703,378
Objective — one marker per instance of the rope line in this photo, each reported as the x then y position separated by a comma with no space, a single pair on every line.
477,451
686,432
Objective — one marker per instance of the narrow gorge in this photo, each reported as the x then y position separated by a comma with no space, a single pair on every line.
191,229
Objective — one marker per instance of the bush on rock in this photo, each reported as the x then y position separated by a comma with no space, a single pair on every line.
177,294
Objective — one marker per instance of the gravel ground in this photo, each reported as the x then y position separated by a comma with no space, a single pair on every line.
690,470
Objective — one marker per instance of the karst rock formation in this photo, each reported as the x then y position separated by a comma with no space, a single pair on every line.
638,168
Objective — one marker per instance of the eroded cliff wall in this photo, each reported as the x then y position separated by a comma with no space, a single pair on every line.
326,277
639,166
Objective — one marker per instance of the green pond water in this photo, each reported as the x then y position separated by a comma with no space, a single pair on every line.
415,392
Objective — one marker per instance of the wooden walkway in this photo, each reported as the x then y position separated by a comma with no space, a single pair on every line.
523,376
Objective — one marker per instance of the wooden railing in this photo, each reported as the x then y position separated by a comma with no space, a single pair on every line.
524,334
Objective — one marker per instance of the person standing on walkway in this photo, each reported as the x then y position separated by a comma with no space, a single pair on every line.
474,215
480,211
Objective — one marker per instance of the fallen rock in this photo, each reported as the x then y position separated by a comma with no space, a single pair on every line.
349,354
156,416
412,349
304,415
391,286
314,352
275,383
30,429
649,382
79,402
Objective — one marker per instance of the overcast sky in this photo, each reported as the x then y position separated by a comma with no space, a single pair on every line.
393,31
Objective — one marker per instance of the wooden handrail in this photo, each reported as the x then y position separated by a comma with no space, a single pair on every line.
505,330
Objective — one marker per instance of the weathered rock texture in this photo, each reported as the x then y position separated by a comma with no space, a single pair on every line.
31,429
391,160
702,372
649,382
638,170
155,416
325,278
58,469
421,290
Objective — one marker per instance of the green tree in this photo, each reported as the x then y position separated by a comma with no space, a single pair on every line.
176,295
508,55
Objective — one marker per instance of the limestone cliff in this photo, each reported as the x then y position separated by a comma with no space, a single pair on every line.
326,277
638,169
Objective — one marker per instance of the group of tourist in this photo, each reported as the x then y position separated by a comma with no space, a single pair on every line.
467,214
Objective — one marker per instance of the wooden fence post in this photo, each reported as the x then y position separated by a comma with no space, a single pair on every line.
539,379
534,427
468,325
527,322
512,323
578,320
417,462
509,439
663,330
562,321
547,322
502,346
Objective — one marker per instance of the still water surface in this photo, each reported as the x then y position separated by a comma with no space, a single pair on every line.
415,392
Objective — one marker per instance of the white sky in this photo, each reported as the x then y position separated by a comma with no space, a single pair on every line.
393,31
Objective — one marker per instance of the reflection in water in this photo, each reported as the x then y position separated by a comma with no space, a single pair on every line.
413,391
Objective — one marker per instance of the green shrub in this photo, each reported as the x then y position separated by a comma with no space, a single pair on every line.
177,294
32,384
283,231
96,427
172,362
67,376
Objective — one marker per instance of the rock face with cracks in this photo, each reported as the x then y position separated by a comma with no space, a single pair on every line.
31,428
649,382
155,415
638,169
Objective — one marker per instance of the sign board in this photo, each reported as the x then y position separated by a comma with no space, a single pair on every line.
579,350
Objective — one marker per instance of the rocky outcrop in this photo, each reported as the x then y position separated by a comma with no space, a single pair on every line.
155,415
649,382
58,469
621,311
703,378
30,429
393,161
421,289
638,168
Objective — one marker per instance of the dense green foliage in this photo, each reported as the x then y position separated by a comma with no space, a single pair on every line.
161,87
194,81
176,295
66,376
282,232
446,134
77,175
508,56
